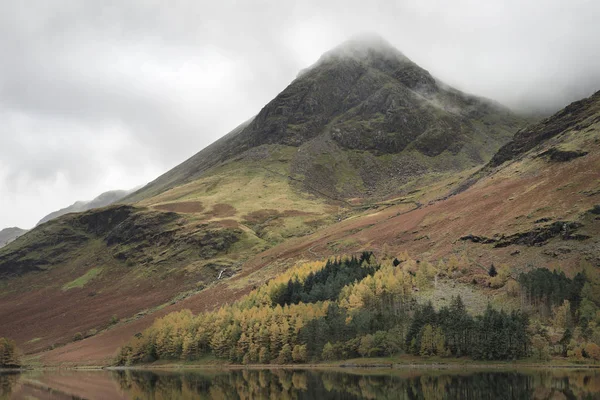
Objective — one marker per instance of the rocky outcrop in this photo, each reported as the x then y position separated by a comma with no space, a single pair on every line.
536,237
557,155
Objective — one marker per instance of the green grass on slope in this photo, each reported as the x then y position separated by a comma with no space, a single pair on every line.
82,280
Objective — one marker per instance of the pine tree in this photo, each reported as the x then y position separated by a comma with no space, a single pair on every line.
492,271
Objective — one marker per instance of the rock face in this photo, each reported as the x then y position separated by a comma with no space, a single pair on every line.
369,96
7,235
380,117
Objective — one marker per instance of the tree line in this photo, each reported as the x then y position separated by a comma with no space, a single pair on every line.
568,311
343,308
495,335
327,283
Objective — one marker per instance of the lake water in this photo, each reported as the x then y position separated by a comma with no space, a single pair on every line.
407,383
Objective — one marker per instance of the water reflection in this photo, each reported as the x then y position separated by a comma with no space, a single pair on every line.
7,381
309,384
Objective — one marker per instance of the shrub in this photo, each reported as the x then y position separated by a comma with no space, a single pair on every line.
91,332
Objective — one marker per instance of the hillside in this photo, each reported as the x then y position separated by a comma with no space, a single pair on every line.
323,170
533,212
7,235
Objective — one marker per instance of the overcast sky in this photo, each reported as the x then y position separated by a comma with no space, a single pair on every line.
100,95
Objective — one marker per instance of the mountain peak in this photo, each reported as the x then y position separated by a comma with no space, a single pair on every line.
364,47
362,96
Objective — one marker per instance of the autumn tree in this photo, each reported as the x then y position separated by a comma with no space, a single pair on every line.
328,352
299,354
285,355
9,354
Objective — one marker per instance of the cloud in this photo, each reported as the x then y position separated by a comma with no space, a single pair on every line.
105,95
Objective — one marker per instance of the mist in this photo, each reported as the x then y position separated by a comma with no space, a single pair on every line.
96,96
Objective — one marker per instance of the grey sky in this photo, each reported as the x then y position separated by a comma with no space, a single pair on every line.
100,95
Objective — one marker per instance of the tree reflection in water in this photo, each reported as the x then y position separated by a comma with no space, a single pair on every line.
8,380
373,384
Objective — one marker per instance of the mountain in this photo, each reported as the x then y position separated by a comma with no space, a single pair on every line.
103,200
363,120
7,235
360,152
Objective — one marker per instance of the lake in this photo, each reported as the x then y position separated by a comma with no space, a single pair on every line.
454,383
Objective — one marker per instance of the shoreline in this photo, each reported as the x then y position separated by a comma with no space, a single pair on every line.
347,365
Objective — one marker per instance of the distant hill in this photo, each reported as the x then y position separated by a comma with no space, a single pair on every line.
7,235
103,200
